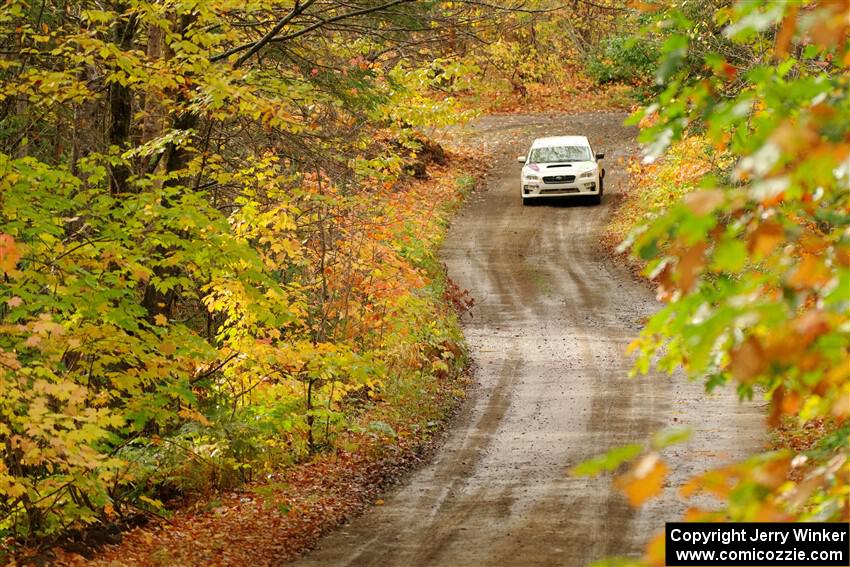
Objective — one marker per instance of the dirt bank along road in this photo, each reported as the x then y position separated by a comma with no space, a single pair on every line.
547,334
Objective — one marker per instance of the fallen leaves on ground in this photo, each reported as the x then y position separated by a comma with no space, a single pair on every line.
263,523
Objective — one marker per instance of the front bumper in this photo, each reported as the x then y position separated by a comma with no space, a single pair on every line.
575,189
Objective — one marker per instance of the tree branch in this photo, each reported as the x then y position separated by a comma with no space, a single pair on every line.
255,46
323,22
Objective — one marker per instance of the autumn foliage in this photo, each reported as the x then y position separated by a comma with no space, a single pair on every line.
212,261
748,245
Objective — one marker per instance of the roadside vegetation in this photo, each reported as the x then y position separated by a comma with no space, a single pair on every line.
219,225
656,186
218,249
739,215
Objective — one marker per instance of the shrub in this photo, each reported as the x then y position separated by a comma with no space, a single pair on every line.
623,59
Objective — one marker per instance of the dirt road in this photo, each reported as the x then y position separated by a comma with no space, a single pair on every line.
552,318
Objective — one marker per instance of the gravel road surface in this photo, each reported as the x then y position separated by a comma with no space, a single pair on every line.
552,318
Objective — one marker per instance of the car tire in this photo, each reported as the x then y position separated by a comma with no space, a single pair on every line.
597,199
525,202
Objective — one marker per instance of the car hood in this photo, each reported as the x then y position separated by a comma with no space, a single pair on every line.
563,168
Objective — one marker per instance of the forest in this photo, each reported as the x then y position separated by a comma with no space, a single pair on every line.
220,225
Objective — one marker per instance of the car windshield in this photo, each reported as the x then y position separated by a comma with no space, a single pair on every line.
554,154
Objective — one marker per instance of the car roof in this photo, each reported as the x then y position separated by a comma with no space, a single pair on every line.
560,141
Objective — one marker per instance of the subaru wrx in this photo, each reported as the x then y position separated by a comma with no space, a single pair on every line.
562,166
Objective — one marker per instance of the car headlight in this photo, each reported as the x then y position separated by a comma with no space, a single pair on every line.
590,173
530,177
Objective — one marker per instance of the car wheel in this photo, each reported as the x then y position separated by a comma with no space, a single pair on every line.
601,186
525,202
597,199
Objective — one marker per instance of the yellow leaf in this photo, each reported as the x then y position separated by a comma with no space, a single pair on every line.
151,501
160,319
195,415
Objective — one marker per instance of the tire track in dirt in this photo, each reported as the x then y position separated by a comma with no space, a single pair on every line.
552,319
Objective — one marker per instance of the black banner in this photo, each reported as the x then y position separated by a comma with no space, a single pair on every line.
758,544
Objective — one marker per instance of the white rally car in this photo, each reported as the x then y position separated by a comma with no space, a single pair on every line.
562,166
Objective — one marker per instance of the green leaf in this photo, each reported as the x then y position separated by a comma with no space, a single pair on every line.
671,436
607,462
730,256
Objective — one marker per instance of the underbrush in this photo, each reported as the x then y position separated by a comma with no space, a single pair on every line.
653,187
624,59
579,93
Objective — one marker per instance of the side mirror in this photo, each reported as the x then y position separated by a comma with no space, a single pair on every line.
521,159
600,156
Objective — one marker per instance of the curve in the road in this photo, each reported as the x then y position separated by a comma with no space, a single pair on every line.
552,318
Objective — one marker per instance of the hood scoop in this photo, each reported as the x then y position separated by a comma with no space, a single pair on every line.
559,165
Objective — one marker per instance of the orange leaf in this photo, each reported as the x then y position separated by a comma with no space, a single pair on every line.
791,403
693,486
786,33
655,551
690,264
648,7
748,361
811,272
777,400
644,481
772,473
9,254
703,202
765,238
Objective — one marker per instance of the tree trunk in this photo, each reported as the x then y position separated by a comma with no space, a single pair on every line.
176,157
120,104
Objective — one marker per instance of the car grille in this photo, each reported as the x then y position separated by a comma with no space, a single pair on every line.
559,179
